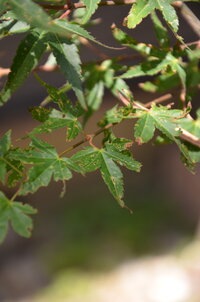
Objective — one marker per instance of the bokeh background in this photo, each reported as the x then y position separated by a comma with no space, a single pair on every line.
84,246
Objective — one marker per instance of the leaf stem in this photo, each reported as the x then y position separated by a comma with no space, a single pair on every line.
101,130
86,139
15,195
185,135
11,165
160,99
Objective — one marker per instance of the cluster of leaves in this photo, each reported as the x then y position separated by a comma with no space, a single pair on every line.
50,31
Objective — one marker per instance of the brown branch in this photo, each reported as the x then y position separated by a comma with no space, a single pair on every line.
5,71
101,130
161,99
189,137
81,5
185,135
99,53
189,16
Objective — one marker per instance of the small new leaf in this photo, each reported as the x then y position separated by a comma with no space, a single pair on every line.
46,164
113,177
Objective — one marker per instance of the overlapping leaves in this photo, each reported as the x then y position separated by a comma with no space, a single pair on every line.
97,78
56,120
46,164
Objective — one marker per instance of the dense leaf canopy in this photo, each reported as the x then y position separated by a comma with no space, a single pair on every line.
55,30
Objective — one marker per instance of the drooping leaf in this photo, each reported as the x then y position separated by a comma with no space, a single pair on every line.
62,27
28,54
113,177
15,213
91,6
91,159
67,57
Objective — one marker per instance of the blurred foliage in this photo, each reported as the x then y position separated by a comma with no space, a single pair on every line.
92,234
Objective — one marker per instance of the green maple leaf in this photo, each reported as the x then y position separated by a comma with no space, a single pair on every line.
142,8
164,119
15,213
56,120
67,57
91,159
46,165
27,56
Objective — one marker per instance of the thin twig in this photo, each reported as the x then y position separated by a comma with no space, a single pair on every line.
81,5
189,137
101,130
85,42
86,139
15,195
161,99
189,16
5,71
185,135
